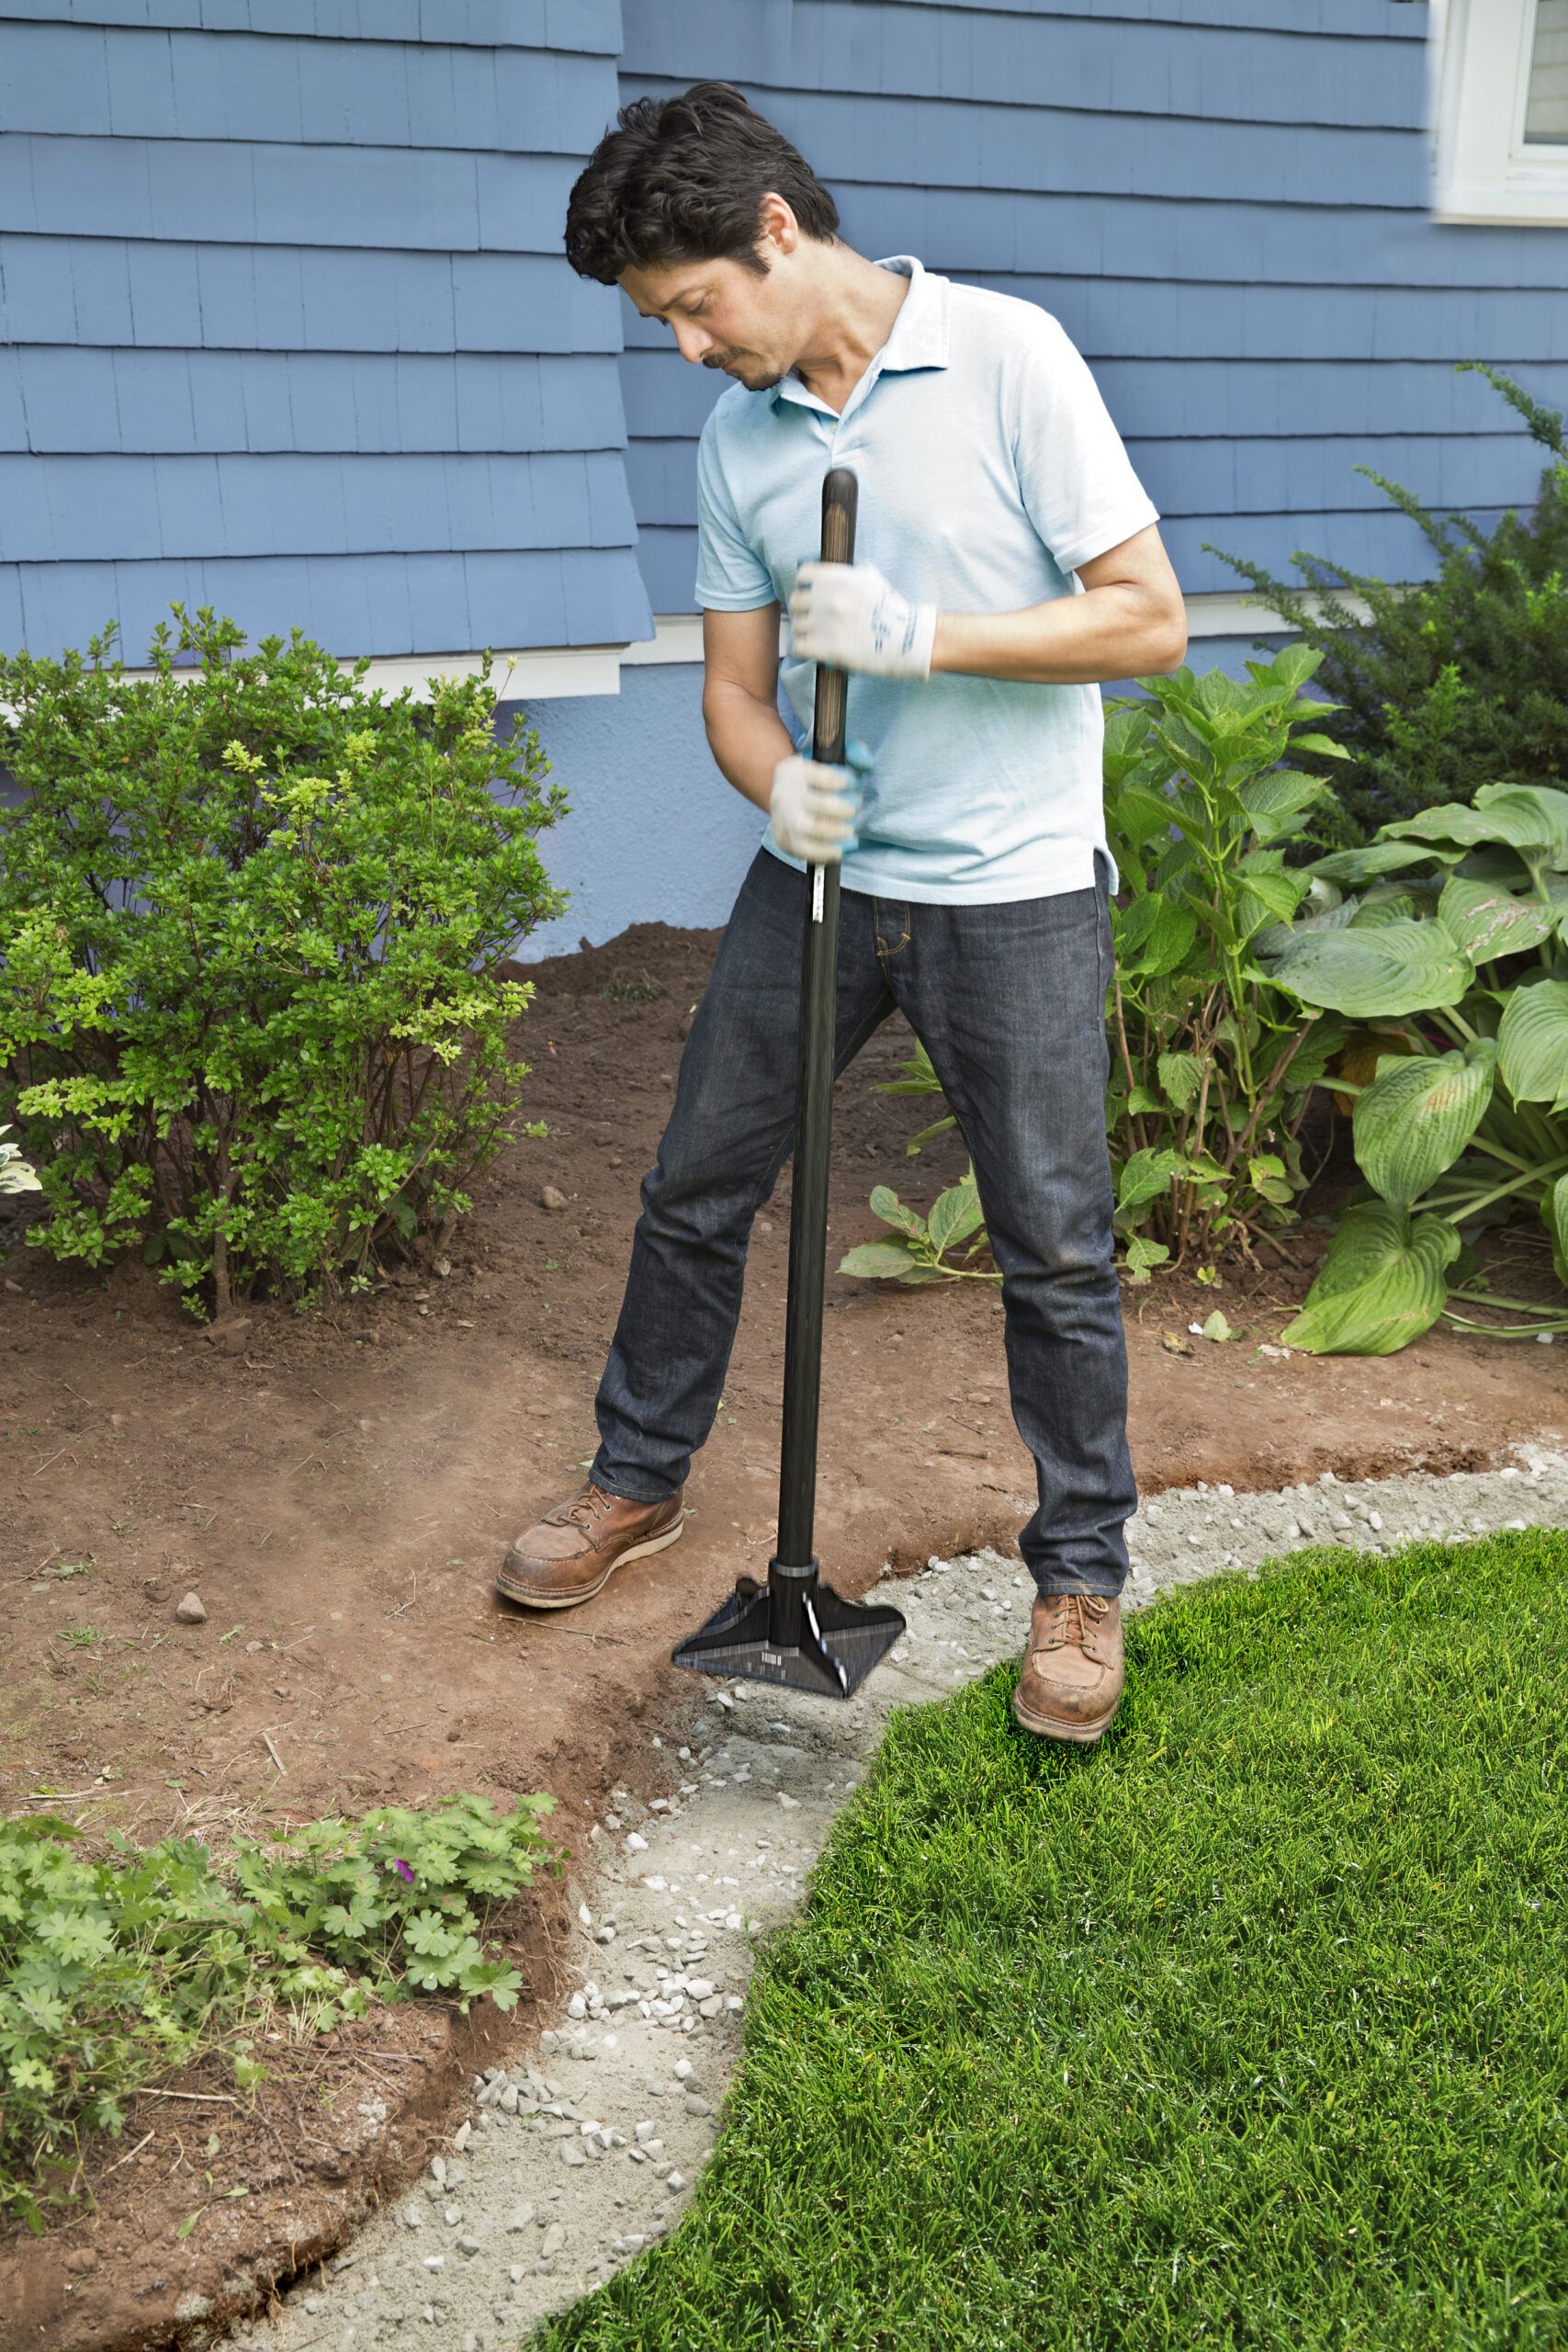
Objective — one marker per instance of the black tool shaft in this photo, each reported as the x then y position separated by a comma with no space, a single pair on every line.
814,1103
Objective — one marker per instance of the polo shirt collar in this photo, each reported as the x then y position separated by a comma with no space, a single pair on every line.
918,337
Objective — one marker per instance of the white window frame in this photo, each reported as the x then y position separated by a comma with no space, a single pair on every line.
1484,171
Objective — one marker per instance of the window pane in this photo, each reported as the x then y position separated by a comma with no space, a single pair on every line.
1545,113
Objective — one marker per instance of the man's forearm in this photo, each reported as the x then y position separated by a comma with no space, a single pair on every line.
1110,632
748,739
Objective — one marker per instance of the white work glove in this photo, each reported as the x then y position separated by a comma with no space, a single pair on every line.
815,806
848,616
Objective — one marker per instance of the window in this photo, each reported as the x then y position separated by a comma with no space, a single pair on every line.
1546,97
1501,110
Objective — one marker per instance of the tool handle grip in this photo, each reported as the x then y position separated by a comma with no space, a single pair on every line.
841,493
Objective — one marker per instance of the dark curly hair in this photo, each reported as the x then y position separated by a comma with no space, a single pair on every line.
683,179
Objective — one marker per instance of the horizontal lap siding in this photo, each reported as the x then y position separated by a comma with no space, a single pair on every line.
1223,202
582,27
286,327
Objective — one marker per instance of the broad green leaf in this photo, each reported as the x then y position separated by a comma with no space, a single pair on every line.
1395,906
954,1215
1417,1115
1323,745
1535,806
1355,867
1554,1215
876,1258
1143,1098
1399,967
1126,734
1527,817
1144,1177
1142,1253
1275,800
1263,899
885,1204
1142,815
1269,1178
1159,942
1180,1075
1291,667
1312,1060
1532,1043
1489,920
1383,1282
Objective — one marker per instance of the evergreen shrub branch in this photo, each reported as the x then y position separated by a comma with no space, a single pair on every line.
1458,682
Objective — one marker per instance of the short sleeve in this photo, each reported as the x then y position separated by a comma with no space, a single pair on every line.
1077,481
731,577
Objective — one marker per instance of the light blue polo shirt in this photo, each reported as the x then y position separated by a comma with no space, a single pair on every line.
990,468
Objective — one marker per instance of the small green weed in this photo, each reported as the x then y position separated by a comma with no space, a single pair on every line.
638,988
117,1969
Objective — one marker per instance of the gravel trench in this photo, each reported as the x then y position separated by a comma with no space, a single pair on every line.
584,2149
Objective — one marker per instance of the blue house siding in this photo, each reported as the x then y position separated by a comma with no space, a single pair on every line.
285,326
1223,202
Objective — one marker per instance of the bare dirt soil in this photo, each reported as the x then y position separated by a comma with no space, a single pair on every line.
340,1489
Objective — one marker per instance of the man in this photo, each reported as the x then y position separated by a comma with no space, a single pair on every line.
970,835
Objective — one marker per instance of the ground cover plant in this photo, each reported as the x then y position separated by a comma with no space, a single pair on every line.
1444,938
117,1968
1462,678
1245,2029
249,914
1211,1063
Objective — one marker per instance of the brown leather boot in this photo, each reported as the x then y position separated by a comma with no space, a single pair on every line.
1069,1685
575,1549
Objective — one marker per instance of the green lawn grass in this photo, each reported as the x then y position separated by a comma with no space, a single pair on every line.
1248,2028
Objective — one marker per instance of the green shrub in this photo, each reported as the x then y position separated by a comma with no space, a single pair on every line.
116,1970
241,906
1445,936
1461,679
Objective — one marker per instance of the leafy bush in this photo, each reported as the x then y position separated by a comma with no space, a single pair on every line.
1463,677
241,909
1211,1064
1456,916
116,1970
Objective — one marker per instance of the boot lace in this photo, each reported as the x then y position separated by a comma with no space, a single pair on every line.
588,1508
1071,1618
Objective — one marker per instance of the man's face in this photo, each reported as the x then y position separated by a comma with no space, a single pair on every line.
723,316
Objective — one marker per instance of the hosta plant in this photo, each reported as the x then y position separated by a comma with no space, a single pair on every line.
15,1175
1444,938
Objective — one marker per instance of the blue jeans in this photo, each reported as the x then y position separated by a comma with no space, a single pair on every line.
1009,1000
